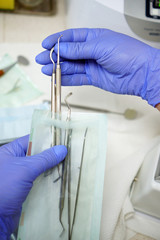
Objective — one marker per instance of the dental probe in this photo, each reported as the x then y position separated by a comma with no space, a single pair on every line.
58,82
58,94
53,109
53,88
53,96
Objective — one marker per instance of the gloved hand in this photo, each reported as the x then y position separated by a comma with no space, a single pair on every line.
105,59
17,173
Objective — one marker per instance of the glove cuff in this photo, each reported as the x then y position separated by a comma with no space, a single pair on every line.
4,235
151,88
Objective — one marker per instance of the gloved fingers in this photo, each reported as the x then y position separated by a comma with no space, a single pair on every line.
45,160
75,80
79,50
75,67
44,57
70,79
18,147
69,35
47,69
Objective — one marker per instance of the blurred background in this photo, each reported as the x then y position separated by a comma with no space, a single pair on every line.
23,26
30,20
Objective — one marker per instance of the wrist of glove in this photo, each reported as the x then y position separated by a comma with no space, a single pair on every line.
8,224
5,229
151,86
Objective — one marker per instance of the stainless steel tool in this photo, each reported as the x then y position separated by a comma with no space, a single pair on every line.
66,170
53,97
55,103
129,114
78,186
58,95
58,82
20,60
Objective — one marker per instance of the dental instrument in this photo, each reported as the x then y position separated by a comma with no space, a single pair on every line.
20,60
67,143
58,94
53,87
78,186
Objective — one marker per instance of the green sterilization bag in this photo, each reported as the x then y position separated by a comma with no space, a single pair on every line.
65,202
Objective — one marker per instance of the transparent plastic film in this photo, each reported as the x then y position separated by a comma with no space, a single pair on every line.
65,202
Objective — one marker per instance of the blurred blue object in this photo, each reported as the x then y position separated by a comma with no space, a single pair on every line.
16,122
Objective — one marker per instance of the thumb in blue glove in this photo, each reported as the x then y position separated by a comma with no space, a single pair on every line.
17,173
111,61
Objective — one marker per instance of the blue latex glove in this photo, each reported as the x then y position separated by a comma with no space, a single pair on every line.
106,59
17,173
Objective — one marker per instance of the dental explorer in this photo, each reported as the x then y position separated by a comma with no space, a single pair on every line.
53,108
53,96
67,143
58,94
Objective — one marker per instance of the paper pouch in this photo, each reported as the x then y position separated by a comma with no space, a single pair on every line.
65,202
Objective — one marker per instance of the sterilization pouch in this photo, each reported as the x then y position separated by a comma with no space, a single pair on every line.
16,87
66,202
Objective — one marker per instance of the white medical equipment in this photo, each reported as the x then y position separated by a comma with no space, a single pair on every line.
138,18
146,189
